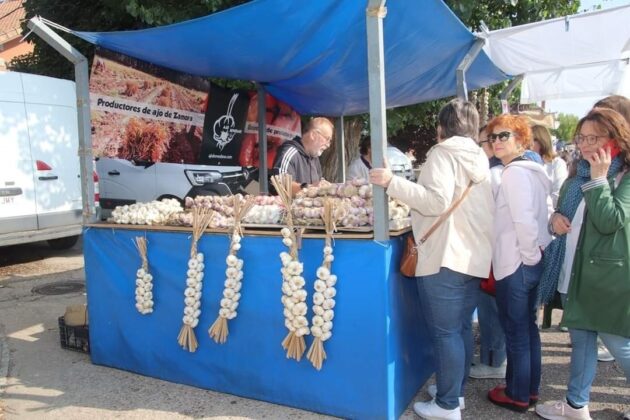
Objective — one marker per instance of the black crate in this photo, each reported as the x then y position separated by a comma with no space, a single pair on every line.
74,338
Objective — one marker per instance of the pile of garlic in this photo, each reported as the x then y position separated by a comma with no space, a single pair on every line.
293,293
192,293
233,281
352,203
324,299
144,291
223,211
267,210
153,213
397,209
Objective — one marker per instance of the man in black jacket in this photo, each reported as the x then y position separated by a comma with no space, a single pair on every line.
300,156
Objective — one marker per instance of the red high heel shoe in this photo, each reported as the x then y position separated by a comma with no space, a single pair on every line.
497,396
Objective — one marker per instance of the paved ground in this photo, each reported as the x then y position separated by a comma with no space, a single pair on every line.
39,380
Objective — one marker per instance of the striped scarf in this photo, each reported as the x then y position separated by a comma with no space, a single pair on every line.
553,257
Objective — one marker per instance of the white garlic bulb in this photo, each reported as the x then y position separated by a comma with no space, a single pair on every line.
192,292
143,292
323,298
232,284
294,295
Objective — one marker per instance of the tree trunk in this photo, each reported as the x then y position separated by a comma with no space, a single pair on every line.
352,128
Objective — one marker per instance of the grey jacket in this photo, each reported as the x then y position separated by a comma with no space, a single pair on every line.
292,159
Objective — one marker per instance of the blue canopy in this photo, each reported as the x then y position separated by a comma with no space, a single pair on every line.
313,54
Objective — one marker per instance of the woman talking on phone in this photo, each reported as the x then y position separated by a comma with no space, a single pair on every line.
591,250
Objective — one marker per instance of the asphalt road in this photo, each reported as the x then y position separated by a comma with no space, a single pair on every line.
39,380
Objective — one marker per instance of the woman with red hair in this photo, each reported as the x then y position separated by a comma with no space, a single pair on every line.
520,233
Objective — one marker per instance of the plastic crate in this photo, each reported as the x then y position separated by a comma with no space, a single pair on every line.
74,338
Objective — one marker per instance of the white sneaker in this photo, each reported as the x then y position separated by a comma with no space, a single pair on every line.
560,410
481,371
431,411
603,355
432,391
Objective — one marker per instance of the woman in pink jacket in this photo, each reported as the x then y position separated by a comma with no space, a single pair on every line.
523,205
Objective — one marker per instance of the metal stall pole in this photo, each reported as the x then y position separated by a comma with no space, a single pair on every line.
462,89
375,13
263,179
81,75
340,150
505,93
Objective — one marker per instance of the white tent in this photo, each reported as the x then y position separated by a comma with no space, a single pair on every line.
574,56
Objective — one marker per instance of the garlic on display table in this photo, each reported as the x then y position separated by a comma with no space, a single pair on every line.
352,202
152,213
265,210
144,280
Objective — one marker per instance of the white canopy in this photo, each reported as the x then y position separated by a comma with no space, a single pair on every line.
574,56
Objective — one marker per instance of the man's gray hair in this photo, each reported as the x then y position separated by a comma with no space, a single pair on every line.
319,122
459,118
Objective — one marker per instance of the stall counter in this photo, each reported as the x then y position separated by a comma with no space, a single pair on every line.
377,359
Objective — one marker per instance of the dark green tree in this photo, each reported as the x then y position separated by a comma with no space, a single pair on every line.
101,15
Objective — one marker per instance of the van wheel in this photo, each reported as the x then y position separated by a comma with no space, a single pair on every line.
63,243
160,198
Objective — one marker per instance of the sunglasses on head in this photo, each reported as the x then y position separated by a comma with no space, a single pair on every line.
502,136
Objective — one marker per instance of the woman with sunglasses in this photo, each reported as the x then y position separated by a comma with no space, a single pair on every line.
520,233
589,256
457,254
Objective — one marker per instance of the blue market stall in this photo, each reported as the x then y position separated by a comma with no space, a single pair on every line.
314,57
378,356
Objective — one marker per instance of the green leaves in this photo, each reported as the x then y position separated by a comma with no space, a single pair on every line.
102,15
566,127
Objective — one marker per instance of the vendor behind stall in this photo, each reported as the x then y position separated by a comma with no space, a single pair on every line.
300,156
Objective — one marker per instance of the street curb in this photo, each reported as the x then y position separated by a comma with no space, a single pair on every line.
4,360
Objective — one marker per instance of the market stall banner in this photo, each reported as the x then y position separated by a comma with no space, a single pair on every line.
282,122
223,126
230,135
145,112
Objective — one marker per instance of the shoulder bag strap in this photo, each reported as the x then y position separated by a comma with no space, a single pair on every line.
445,215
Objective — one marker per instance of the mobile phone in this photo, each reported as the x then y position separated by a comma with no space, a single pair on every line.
612,147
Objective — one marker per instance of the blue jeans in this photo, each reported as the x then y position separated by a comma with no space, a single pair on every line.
448,301
492,348
516,299
584,360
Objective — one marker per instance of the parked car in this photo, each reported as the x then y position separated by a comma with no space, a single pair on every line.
126,182
400,163
40,185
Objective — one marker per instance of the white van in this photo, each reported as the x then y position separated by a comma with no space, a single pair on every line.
40,185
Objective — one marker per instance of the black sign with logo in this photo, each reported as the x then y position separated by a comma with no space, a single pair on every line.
223,127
